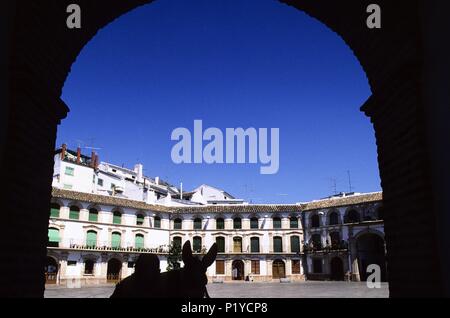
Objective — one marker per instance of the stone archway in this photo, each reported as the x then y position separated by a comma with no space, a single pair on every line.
237,270
278,269
114,270
370,250
393,58
336,269
51,270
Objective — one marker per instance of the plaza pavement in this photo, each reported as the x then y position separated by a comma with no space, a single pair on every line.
309,289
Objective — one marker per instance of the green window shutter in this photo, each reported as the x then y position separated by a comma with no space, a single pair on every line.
197,246
177,224
220,244
139,241
54,212
277,245
53,235
277,223
220,224
157,222
115,240
295,244
74,214
177,241
93,215
91,239
294,223
117,218
69,171
237,224
139,219
197,224
254,223
254,245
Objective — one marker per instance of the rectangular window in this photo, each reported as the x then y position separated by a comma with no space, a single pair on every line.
220,267
100,182
294,223
67,186
254,245
277,245
69,171
255,267
295,244
93,216
130,264
71,263
295,266
317,266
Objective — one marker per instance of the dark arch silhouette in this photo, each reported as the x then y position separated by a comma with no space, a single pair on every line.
336,269
370,250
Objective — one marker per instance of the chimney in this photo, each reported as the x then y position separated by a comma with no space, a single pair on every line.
139,168
96,162
63,151
181,190
92,159
157,180
78,155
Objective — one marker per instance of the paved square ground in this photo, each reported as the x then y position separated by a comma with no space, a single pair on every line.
308,289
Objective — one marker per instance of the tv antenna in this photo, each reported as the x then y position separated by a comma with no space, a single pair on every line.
349,181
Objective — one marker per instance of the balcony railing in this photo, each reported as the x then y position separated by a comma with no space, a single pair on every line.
107,246
319,248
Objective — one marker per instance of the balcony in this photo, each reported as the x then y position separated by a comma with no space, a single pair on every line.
317,247
107,247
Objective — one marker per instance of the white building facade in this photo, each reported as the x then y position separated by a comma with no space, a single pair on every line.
104,216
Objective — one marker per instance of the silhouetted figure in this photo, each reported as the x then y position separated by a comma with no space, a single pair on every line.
144,282
189,281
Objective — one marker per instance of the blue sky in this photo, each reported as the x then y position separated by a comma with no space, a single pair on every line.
231,63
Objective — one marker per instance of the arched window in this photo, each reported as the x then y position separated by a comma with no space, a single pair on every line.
139,241
277,223
315,221
117,217
220,224
254,245
116,239
91,238
54,210
176,241
74,213
237,223
335,239
139,219
254,223
53,237
295,244
316,241
93,215
237,244
334,218
157,222
177,224
220,241
197,224
293,222
197,244
88,267
353,217
277,244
